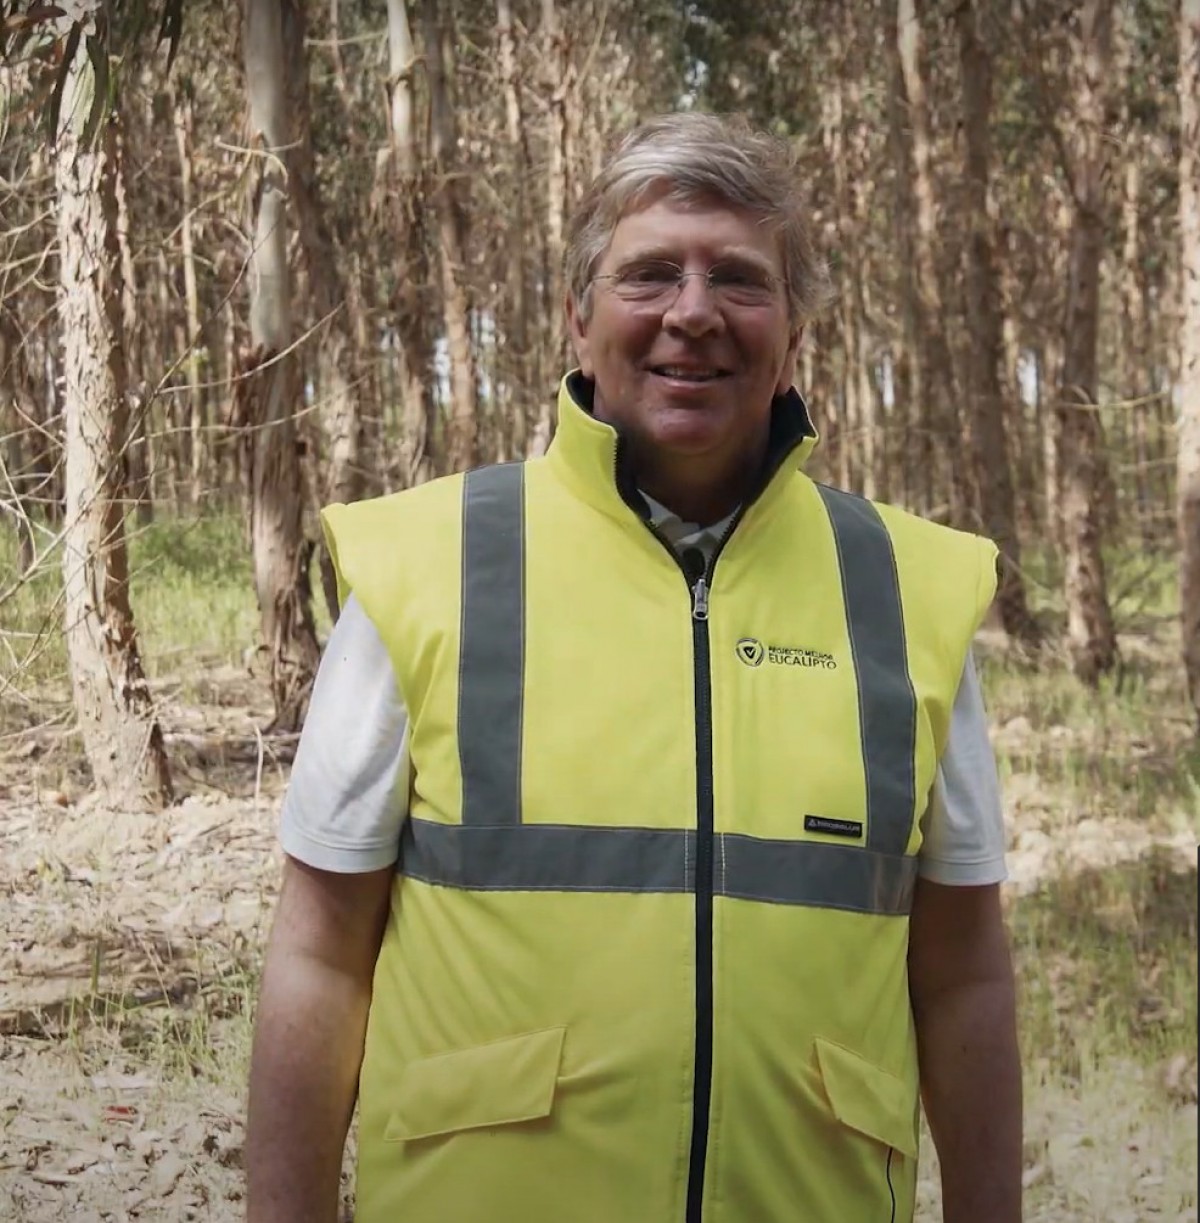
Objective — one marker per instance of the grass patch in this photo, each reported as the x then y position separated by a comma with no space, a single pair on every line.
1107,964
201,1031
1125,749
192,592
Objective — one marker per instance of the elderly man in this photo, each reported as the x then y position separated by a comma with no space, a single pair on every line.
643,840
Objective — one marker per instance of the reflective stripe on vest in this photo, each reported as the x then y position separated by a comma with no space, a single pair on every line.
492,849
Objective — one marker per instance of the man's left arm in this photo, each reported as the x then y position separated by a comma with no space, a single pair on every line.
964,1006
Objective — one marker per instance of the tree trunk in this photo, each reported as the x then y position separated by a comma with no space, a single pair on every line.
339,368
267,392
19,479
1091,636
117,718
1023,432
1189,342
338,362
557,67
138,446
914,449
987,409
846,144
463,447
181,106
517,332
937,367
411,312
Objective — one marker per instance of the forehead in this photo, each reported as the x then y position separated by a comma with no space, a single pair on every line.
681,229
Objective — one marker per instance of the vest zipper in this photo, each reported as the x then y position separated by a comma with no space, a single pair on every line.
699,580
702,1068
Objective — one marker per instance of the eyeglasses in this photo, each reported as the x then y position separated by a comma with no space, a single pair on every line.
657,281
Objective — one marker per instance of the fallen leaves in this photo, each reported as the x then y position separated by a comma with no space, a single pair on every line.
177,1171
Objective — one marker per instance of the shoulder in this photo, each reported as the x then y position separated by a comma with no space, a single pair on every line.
918,546
375,543
930,554
438,498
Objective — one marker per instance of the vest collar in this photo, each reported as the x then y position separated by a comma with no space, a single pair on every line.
587,453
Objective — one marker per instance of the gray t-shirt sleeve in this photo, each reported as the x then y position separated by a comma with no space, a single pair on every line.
964,822
347,798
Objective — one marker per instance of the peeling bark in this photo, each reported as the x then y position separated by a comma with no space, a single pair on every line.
117,718
267,393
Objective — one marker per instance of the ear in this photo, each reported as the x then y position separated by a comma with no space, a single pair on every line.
577,327
787,373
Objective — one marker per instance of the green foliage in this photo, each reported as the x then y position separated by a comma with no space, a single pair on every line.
1143,586
117,31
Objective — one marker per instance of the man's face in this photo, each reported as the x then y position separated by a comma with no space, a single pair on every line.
728,360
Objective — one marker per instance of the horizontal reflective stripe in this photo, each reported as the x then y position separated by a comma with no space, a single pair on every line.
814,873
549,857
574,858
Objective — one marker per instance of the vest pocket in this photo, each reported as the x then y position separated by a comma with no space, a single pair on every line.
496,1084
869,1099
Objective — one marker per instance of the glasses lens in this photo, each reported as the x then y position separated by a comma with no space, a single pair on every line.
647,280
742,284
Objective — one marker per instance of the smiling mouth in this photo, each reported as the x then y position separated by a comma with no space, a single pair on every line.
678,374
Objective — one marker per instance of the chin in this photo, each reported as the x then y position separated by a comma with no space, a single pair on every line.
690,437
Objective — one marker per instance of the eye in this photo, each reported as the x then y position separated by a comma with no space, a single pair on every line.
653,273
740,276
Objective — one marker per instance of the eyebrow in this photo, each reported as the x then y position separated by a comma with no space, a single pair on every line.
669,256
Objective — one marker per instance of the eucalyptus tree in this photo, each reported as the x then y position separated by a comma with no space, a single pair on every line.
268,388
1189,341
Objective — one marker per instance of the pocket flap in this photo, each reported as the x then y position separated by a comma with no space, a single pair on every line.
505,1081
869,1099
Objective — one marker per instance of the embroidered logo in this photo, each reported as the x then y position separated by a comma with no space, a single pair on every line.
754,653
751,651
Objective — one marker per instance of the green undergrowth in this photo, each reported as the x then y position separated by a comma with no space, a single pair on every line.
192,592
1126,748
1142,585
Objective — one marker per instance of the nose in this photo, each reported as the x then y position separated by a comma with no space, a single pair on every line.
694,310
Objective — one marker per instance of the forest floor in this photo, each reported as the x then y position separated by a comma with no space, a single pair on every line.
130,944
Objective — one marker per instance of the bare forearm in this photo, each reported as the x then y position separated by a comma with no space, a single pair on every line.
971,1084
304,1074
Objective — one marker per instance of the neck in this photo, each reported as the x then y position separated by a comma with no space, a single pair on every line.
695,491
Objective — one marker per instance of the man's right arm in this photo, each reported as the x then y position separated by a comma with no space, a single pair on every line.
308,1039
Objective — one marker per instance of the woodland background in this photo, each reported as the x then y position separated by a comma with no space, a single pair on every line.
255,257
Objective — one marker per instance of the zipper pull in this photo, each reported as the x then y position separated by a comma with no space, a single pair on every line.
700,599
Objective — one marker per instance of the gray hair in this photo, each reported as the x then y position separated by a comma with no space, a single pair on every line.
699,157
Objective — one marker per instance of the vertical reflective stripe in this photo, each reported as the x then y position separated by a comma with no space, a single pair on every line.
492,644
887,706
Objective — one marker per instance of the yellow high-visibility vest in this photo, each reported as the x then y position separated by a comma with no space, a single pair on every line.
646,957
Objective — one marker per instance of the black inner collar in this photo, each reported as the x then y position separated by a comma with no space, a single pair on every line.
790,425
